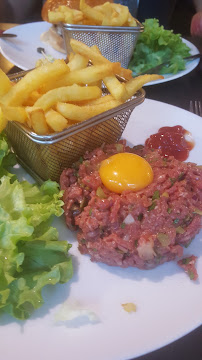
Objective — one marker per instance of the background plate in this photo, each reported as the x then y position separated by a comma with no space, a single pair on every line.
168,303
190,65
22,50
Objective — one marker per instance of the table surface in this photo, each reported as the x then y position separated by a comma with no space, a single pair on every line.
178,92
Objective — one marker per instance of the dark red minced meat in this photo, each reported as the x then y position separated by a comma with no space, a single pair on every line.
141,229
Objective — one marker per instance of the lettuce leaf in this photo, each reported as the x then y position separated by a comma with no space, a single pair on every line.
31,256
7,158
156,45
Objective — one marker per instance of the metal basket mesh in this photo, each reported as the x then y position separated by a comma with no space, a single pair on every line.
44,157
116,44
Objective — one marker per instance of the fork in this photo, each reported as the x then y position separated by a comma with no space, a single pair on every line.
195,106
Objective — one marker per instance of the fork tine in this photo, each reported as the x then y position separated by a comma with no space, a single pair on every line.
196,107
191,106
200,108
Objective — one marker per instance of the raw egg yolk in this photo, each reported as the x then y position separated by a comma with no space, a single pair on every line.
125,171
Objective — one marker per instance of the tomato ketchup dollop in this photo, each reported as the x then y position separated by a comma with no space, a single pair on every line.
172,141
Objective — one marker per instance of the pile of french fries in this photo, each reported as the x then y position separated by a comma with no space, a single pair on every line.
107,14
57,95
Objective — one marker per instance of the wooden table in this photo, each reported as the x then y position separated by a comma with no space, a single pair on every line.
178,92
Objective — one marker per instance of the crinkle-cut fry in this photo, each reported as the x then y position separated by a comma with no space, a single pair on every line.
81,113
14,113
3,121
67,94
91,13
37,121
77,62
133,85
55,120
83,76
5,83
96,58
21,91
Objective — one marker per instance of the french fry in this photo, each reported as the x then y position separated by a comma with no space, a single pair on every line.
136,83
56,95
37,120
65,94
55,121
96,58
107,14
19,93
81,113
14,113
3,120
131,21
77,62
77,16
34,96
120,16
100,100
83,76
5,84
91,13
56,17
115,87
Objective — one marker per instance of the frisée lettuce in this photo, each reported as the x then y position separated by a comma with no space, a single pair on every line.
156,45
31,256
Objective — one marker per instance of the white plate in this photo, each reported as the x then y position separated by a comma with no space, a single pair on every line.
190,65
22,50
168,303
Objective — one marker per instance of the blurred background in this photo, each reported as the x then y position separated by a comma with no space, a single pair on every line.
172,14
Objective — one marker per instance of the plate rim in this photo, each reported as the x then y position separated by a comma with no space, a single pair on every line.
147,101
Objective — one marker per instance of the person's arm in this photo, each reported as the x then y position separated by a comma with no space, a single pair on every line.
196,21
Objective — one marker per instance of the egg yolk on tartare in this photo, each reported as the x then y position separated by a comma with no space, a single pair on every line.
125,171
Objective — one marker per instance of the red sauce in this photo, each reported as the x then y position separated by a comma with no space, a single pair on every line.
171,140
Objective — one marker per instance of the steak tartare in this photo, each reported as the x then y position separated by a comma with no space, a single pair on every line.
142,229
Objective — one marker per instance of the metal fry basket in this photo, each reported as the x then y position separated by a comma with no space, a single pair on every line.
45,157
115,43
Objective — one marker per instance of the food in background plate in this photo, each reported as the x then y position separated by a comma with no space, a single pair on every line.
81,12
57,95
143,228
52,5
107,14
156,45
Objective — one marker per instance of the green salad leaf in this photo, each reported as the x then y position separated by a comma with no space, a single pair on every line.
156,45
31,256
7,157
